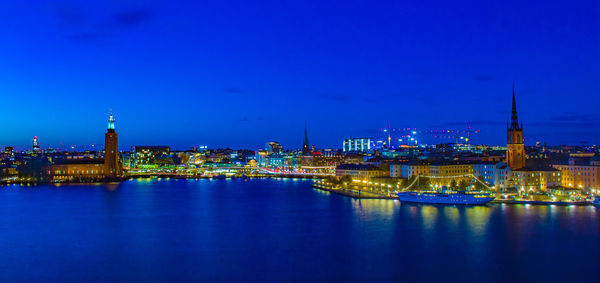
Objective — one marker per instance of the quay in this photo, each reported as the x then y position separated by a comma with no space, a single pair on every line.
358,194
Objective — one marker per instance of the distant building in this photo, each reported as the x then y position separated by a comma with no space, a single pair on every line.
36,145
305,143
274,147
9,153
360,171
358,145
142,156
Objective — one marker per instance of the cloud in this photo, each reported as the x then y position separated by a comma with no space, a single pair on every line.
335,97
84,36
72,17
571,117
476,123
483,78
233,90
131,18
572,120
80,27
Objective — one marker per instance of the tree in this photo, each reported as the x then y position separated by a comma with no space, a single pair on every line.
462,185
424,183
345,179
478,183
453,184
406,182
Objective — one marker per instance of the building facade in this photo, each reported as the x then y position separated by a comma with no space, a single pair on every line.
358,145
580,174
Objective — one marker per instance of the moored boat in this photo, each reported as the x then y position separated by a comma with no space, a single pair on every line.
596,201
222,176
459,198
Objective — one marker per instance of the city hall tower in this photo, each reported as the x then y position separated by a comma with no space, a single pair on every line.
111,150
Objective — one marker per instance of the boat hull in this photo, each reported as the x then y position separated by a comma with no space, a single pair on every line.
453,199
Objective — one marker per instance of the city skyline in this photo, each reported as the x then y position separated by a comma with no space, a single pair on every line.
211,74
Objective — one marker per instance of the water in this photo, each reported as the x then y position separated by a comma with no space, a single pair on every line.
281,230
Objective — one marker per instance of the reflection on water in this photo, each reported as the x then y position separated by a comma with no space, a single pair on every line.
204,230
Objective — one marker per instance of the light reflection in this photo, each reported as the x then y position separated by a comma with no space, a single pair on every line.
478,218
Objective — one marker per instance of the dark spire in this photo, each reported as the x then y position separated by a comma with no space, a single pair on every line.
514,120
305,144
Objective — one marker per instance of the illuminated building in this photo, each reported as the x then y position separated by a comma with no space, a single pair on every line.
485,171
111,150
274,147
144,156
88,169
36,145
502,176
305,144
358,145
360,171
515,149
581,173
530,179
412,169
9,153
526,178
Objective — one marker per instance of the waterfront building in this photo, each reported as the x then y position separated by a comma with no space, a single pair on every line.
358,145
359,171
502,176
580,173
395,169
485,171
413,168
147,156
532,179
90,169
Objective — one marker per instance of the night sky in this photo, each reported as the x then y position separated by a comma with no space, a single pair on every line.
239,74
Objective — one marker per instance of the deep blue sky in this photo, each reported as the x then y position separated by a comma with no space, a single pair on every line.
238,74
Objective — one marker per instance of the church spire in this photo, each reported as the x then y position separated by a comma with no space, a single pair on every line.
305,144
514,120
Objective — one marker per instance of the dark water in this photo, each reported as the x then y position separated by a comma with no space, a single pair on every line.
281,230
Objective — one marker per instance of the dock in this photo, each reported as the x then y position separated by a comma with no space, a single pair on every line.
353,193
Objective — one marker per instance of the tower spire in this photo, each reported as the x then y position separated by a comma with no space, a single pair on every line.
514,120
305,144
